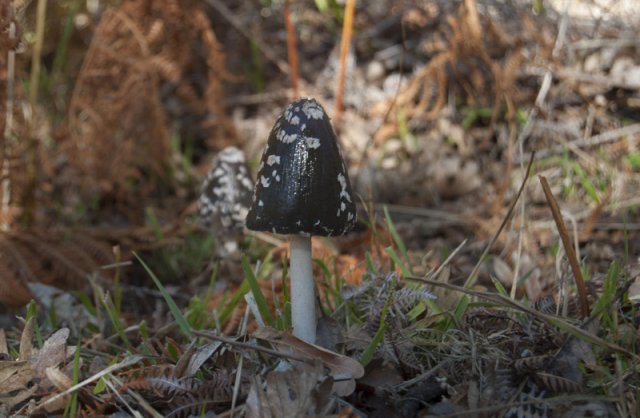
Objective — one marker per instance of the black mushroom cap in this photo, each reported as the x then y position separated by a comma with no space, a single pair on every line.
226,192
302,186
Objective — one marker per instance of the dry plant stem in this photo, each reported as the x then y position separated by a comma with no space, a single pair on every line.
28,198
109,381
41,13
241,27
8,128
236,385
292,49
347,30
234,343
630,131
127,362
473,275
303,306
550,319
526,131
568,248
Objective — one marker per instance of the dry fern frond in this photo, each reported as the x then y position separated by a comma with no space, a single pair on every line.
60,258
180,397
119,124
379,292
383,296
477,55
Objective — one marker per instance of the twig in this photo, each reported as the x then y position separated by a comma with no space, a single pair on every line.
240,27
41,13
135,395
568,248
604,42
443,217
593,141
446,262
129,361
248,346
236,385
546,318
347,30
526,131
472,276
292,50
257,99
8,128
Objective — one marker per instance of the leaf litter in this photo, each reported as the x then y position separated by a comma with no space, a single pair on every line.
445,102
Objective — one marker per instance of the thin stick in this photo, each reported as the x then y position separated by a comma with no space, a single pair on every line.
292,50
472,276
41,13
524,135
347,30
129,361
547,318
234,343
568,248
630,131
241,27
7,134
446,262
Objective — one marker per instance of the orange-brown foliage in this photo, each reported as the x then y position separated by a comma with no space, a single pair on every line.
119,127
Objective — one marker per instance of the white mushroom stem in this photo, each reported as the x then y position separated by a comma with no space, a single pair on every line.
303,303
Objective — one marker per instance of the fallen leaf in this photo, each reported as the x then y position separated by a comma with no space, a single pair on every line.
4,349
26,339
53,352
257,403
14,375
634,291
201,356
61,382
344,370
19,397
291,393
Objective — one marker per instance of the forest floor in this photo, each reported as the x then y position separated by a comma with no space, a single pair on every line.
494,149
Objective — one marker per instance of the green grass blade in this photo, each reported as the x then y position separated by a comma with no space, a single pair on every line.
114,316
250,277
398,241
175,311
586,184
71,410
32,312
379,335
398,261
233,302
373,345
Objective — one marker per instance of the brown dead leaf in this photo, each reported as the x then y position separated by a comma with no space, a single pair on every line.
26,339
17,378
58,378
634,291
14,375
200,356
343,369
4,349
61,382
293,393
53,352
257,402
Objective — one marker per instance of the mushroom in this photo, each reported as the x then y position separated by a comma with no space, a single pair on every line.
225,197
302,190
